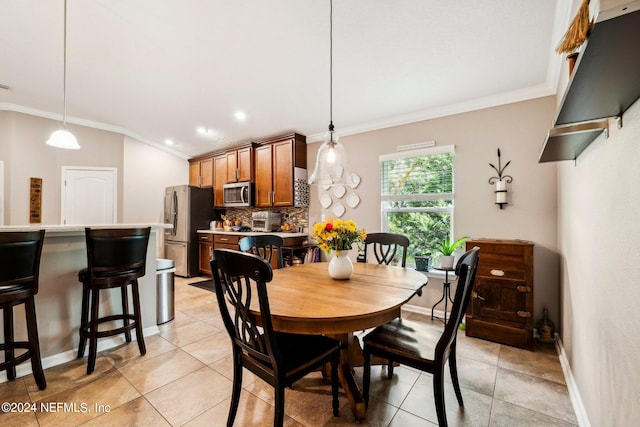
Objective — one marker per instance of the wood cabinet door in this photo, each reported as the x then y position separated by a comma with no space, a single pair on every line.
194,173
206,172
283,173
245,164
206,251
219,179
232,166
264,176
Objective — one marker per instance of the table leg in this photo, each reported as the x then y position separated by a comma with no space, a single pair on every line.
345,374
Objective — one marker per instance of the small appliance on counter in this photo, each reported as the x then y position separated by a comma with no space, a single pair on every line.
265,221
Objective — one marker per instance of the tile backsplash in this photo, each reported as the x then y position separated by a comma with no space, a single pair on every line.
298,217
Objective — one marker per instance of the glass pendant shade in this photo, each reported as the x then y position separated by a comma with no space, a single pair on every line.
62,138
331,164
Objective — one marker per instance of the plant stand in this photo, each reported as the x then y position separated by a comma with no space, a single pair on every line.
446,292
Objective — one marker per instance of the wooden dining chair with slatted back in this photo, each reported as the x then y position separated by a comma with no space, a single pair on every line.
387,247
423,347
266,246
278,358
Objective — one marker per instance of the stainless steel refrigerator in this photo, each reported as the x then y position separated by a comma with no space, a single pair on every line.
189,209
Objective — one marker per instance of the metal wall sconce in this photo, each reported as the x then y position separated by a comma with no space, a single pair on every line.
500,182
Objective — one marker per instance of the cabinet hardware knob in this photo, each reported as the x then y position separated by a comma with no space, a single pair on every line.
498,273
475,295
523,314
524,288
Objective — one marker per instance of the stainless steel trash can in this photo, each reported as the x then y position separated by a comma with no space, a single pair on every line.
165,290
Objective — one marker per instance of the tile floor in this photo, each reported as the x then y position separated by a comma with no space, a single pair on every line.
185,379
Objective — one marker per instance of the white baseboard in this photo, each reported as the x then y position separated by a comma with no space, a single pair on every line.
574,393
58,359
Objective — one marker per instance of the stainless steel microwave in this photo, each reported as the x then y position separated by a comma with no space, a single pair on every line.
237,194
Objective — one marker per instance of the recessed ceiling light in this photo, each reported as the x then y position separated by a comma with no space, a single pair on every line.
168,141
241,116
202,130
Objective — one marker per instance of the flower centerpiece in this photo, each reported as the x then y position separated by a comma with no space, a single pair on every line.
339,236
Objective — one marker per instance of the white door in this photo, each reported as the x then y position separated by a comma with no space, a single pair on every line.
89,195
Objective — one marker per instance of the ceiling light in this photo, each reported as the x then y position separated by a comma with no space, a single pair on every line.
331,162
62,138
202,130
241,116
168,142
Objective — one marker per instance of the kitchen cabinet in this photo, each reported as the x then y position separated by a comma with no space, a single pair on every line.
219,178
501,305
201,172
205,244
275,163
604,84
240,164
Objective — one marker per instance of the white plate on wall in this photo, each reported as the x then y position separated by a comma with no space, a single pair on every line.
325,200
339,191
356,180
338,209
352,200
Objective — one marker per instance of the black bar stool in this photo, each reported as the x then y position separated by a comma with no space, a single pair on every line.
19,272
116,258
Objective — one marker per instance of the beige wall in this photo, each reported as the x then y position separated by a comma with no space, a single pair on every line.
598,210
518,130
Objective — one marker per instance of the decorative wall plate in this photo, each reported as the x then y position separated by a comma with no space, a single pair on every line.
338,209
352,200
325,200
356,180
325,186
339,191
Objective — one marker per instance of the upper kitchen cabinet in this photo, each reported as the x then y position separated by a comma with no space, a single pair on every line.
201,172
240,163
219,178
604,84
275,162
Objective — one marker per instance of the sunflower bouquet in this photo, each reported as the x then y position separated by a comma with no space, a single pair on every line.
338,235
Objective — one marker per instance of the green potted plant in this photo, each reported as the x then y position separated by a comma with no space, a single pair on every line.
446,249
423,260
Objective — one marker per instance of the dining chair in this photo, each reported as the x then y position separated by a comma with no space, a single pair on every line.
116,258
385,246
278,358
264,245
20,254
422,347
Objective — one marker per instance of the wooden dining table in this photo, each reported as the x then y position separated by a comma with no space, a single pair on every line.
304,299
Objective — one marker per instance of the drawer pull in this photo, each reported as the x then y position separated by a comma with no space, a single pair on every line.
524,288
523,314
475,295
223,239
499,273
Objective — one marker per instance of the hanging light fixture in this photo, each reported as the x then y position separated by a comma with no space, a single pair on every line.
331,163
62,138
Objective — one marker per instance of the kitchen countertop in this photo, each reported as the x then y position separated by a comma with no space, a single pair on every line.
282,234
68,229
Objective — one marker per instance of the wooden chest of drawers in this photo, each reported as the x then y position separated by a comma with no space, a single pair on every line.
501,306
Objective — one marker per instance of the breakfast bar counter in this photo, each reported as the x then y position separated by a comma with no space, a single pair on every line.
58,302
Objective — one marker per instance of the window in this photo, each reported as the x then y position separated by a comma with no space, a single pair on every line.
416,189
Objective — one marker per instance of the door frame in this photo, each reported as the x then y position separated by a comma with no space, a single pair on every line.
63,192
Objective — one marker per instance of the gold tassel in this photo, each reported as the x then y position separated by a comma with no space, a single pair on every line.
578,30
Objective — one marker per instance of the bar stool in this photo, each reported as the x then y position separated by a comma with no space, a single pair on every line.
19,272
116,258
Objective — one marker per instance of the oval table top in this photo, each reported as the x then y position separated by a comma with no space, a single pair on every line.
305,299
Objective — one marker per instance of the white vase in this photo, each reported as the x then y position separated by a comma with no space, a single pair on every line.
446,261
340,266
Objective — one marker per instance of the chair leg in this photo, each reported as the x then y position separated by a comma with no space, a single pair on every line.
84,320
390,369
453,369
278,416
237,388
438,394
138,317
34,344
125,311
93,330
366,376
335,362
9,352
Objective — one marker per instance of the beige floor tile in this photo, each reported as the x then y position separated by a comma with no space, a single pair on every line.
539,364
389,390
183,335
135,413
540,395
474,375
190,396
477,349
379,413
155,372
406,419
225,367
504,414
20,412
205,311
129,353
14,391
180,319
210,349
18,417
108,391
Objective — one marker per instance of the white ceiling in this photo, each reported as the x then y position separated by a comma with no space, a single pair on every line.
158,69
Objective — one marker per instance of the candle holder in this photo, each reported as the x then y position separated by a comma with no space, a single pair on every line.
500,182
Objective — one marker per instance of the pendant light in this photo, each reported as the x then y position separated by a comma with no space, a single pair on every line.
331,163
62,138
